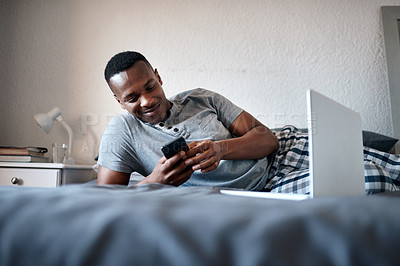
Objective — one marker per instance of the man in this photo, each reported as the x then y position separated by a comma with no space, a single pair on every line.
227,146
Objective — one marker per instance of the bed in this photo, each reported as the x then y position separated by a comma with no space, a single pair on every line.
157,224
163,225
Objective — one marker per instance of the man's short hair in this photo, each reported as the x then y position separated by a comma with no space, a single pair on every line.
121,62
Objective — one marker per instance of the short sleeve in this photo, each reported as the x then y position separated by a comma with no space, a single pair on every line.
115,151
226,110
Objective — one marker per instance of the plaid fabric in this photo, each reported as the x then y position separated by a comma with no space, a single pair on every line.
289,171
382,171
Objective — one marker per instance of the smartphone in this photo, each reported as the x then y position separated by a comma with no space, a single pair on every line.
174,147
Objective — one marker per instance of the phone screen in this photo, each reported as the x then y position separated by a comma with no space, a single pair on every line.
174,147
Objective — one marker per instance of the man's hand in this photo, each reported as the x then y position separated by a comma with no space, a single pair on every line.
204,155
172,171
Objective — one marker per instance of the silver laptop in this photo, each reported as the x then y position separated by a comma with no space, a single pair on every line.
335,152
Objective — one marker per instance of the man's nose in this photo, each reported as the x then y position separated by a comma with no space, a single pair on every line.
145,100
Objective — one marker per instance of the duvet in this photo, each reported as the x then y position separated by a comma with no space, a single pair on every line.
164,225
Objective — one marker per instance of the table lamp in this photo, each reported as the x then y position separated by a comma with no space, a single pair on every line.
46,120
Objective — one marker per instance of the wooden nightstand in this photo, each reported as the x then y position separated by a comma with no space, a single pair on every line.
44,174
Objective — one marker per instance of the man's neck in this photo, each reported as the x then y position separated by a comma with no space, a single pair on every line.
168,114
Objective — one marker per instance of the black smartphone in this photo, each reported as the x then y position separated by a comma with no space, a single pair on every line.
174,147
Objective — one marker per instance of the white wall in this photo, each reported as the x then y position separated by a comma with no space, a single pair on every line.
263,55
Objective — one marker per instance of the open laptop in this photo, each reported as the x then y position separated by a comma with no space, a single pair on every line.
335,152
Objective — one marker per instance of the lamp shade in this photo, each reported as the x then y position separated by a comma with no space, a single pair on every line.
46,120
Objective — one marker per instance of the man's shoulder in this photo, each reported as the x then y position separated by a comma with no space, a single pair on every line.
193,93
123,119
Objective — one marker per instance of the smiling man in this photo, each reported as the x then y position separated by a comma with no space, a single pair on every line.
227,146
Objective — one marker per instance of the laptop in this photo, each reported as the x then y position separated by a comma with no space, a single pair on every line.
335,152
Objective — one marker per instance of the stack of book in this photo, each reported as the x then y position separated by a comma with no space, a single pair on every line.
23,154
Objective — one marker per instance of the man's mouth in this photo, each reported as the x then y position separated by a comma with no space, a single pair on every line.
151,110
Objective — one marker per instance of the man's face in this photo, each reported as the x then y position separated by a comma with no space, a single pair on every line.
138,90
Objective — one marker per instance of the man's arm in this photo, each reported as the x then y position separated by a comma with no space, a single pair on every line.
253,141
108,176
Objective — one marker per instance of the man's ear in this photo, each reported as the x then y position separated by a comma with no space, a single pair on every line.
116,98
158,76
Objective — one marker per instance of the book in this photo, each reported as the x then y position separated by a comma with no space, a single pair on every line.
24,158
35,151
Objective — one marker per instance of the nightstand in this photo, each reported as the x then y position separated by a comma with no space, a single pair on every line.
44,174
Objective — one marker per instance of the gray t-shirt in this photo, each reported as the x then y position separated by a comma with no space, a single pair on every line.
130,145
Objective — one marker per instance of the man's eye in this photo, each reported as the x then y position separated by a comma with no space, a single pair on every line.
132,100
150,87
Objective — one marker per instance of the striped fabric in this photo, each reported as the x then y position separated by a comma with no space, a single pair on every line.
289,171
